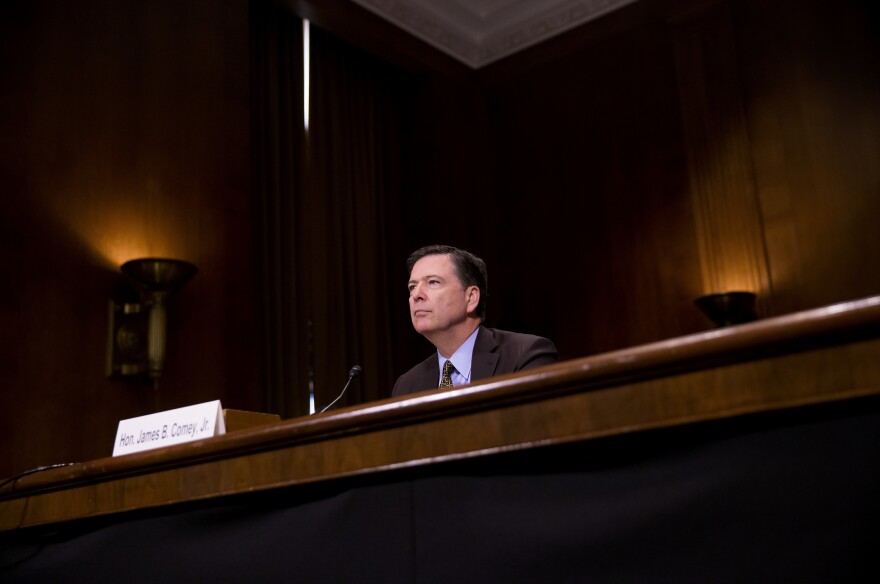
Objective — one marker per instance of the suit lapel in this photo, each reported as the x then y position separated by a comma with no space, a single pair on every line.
485,359
430,373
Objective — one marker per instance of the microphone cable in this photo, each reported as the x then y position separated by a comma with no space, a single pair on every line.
15,478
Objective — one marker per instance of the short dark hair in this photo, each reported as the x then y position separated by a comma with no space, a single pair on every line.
470,269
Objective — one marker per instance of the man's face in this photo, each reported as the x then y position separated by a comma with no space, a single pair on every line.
437,299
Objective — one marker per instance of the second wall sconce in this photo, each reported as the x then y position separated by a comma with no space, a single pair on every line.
137,333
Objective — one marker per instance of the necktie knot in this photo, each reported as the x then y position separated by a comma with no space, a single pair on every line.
446,378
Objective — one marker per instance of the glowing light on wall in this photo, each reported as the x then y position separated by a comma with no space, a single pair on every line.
124,224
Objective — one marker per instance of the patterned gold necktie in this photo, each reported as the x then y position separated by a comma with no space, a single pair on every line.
446,379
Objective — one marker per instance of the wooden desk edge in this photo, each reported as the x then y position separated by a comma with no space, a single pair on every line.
802,331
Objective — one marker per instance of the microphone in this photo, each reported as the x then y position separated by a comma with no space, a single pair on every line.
355,371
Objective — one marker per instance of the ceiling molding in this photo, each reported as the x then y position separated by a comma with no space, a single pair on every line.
479,32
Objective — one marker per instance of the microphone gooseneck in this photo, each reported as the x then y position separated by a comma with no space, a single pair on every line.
355,372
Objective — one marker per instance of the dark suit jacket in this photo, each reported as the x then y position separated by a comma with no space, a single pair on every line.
496,352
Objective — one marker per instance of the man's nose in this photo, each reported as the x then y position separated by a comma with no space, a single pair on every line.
418,291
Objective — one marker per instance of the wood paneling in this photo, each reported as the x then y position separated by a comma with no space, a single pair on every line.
595,227
127,136
727,214
810,78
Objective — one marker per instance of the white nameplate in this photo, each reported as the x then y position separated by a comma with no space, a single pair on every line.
169,427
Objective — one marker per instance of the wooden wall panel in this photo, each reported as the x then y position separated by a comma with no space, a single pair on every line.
727,214
595,228
126,130
643,159
813,110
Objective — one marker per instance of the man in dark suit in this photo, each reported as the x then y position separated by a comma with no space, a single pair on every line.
447,303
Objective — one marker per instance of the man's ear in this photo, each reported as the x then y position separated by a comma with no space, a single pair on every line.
473,298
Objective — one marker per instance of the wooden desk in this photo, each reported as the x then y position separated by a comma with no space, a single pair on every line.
804,362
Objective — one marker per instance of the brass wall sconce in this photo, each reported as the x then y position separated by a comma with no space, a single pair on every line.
136,343
728,308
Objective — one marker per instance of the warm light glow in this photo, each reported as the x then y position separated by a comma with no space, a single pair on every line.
125,226
730,264
728,219
306,74
122,245
734,279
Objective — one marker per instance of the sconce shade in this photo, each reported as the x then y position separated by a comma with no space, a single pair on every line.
728,308
159,274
